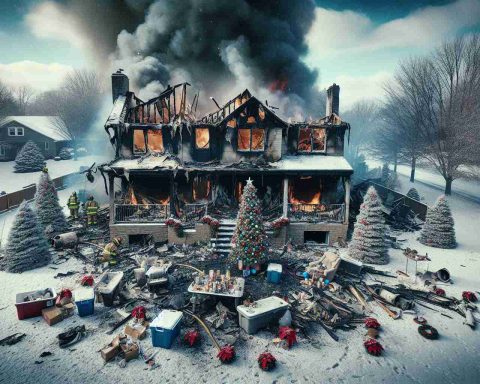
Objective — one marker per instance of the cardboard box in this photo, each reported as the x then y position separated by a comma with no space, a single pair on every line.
137,332
109,352
131,351
52,315
68,309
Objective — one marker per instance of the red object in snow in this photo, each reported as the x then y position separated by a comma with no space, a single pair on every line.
440,292
87,280
226,354
288,334
373,347
266,361
370,322
469,296
65,293
191,337
139,312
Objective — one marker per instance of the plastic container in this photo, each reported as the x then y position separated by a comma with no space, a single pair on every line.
108,287
268,310
84,300
274,273
165,328
40,299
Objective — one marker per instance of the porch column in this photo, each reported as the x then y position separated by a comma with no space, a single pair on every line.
347,199
285,197
111,197
172,196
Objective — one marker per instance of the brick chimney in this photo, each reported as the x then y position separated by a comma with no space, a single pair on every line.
333,99
120,84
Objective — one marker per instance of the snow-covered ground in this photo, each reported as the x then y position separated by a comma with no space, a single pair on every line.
408,357
11,181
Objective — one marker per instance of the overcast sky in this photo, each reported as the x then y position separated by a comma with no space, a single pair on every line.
355,43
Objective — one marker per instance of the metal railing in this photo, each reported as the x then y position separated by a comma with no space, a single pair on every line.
141,213
317,212
194,212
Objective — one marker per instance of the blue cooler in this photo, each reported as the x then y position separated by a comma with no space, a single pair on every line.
84,300
165,328
274,273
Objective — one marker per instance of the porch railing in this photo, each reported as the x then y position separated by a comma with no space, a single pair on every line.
141,213
194,212
317,212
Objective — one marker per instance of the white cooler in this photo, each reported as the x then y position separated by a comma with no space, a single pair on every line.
267,311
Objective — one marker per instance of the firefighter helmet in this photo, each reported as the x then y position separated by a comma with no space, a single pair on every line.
90,198
117,241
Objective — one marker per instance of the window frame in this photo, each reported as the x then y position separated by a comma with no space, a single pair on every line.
251,140
324,150
147,148
3,150
46,145
17,131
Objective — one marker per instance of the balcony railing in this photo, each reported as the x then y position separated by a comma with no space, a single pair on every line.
141,213
317,212
194,212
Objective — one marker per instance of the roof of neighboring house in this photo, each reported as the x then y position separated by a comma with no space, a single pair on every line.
49,126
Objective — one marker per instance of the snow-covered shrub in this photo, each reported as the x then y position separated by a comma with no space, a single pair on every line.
65,154
368,239
27,247
48,210
29,159
439,230
413,194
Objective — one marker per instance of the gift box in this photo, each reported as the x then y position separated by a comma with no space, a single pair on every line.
52,315
136,332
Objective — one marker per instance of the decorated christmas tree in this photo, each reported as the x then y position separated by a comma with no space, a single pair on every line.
249,238
438,230
413,194
29,159
27,247
48,210
368,239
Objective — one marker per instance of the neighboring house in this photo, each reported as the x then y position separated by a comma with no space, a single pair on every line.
171,164
48,132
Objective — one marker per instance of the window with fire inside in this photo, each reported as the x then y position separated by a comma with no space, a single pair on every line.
150,140
311,140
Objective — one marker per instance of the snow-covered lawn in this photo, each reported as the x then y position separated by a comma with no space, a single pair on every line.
11,181
408,357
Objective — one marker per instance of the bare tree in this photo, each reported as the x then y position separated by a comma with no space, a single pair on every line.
23,96
7,102
441,94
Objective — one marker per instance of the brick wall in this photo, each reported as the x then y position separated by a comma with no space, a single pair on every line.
201,232
157,230
336,231
279,240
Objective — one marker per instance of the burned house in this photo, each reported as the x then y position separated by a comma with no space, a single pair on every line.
169,164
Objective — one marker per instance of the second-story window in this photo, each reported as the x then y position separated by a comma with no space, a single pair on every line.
311,139
155,140
251,139
16,131
139,145
202,138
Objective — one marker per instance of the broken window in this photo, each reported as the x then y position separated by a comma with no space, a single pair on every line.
201,188
155,140
311,139
202,138
251,139
139,141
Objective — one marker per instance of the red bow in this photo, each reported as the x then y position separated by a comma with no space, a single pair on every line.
191,337
266,361
87,280
288,334
226,354
65,293
139,312
373,347
440,292
370,322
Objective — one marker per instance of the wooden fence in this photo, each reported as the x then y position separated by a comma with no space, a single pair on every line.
14,199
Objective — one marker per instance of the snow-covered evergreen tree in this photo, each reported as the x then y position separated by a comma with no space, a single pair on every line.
413,194
392,181
385,173
27,247
439,230
368,239
48,210
29,159
249,238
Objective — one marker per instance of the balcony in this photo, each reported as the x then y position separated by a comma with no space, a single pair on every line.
333,213
141,213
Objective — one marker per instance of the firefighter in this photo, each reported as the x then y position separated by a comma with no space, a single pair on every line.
92,210
110,251
73,205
